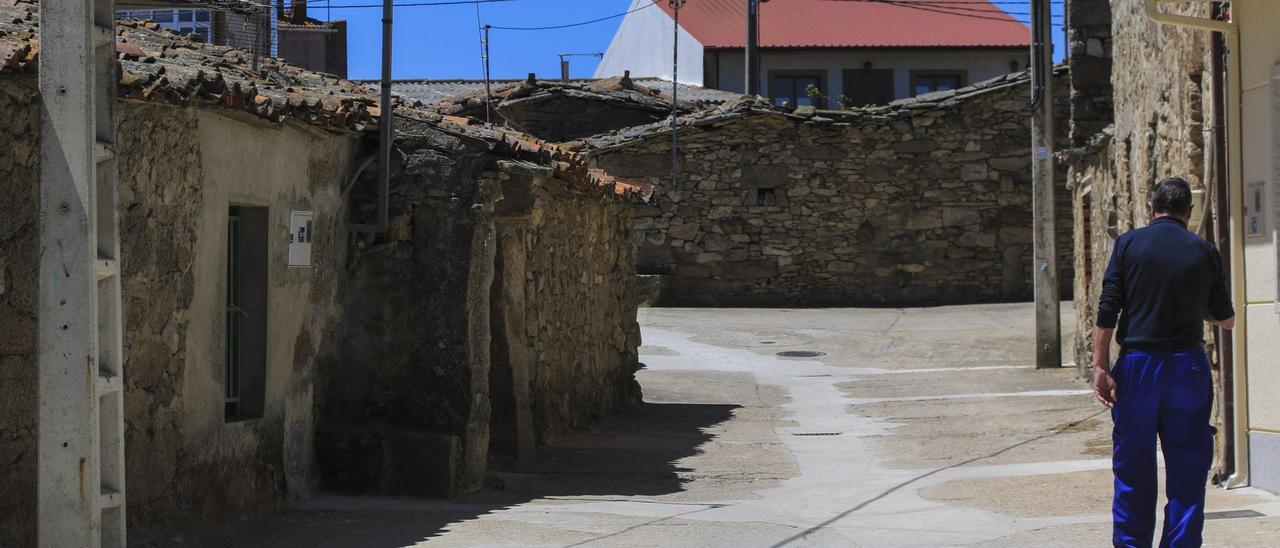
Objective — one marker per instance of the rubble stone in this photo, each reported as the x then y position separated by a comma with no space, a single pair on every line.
924,201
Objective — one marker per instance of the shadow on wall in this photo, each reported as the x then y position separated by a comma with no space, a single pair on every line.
636,454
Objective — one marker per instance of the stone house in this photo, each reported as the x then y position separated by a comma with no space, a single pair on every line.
924,201
1193,87
233,335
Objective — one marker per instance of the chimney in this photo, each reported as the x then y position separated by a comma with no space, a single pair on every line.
299,15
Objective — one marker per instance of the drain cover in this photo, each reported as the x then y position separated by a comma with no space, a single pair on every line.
815,433
801,354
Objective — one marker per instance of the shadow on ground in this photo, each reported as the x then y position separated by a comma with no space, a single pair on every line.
633,454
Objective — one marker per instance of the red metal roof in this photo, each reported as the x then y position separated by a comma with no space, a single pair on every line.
853,24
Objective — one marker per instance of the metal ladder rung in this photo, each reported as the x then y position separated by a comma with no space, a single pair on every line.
108,383
103,152
103,35
106,268
110,498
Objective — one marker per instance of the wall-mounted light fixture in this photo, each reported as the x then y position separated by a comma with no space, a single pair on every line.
866,66
1013,65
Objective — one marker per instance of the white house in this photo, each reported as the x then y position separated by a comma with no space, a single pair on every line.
855,53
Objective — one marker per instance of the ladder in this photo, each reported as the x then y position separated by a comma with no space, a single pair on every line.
81,471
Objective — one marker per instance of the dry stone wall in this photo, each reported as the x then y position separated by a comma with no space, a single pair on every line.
497,310
925,202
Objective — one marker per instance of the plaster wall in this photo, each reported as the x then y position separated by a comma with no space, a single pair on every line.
1260,101
264,462
642,45
179,170
978,65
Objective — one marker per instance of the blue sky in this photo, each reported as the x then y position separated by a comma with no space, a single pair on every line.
441,42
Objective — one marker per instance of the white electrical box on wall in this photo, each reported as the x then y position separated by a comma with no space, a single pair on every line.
300,235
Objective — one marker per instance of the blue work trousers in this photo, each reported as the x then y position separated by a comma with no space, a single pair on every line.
1169,394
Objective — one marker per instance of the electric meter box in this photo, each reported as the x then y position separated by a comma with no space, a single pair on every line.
300,235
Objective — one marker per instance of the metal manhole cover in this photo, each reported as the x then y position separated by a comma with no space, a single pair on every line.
801,354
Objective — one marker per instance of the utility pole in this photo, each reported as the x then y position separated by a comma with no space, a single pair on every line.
1044,255
80,464
484,56
675,83
753,48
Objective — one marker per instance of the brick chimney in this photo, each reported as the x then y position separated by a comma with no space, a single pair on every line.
299,15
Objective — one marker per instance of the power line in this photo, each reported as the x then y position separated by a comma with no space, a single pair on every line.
965,5
581,23
936,9
421,4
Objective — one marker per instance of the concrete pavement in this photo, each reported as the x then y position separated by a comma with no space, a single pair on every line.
915,427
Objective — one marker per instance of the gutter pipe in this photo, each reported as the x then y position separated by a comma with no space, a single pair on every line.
1239,435
385,135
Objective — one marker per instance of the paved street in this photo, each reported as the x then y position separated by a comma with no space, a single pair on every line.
917,427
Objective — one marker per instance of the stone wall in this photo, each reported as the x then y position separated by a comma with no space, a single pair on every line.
1160,90
497,310
923,202
1089,29
19,260
185,465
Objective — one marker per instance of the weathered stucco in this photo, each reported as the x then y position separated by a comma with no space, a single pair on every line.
179,171
498,307
925,203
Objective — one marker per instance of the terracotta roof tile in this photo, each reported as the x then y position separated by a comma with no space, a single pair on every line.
164,67
844,24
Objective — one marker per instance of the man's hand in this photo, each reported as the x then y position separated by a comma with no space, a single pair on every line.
1104,387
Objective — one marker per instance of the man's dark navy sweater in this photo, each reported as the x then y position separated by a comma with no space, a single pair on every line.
1163,281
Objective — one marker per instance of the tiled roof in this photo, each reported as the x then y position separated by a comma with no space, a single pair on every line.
846,24
437,92
163,67
758,106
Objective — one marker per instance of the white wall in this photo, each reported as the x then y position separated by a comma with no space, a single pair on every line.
980,64
1260,102
643,46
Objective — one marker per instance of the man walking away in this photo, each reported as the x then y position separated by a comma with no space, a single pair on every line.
1162,282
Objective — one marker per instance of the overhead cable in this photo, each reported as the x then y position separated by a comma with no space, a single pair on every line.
581,23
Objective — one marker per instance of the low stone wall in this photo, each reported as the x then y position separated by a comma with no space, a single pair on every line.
923,202
497,310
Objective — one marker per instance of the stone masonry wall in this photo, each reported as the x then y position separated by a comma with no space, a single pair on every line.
1160,89
497,310
1089,28
184,467
924,203
580,313
19,260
